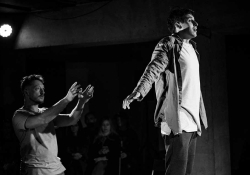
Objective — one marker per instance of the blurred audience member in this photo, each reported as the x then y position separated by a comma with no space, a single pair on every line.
75,165
88,133
129,145
105,151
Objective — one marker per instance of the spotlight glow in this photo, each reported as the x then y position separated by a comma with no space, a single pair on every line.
5,30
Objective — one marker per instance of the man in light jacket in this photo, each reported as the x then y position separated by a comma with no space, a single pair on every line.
180,111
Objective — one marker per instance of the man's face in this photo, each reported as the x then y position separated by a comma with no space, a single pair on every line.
189,27
35,92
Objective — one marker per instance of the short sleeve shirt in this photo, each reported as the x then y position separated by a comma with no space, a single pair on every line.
38,146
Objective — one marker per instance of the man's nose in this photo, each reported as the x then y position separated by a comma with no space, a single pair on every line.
195,23
42,92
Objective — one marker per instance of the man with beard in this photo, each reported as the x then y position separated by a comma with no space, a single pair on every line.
174,68
35,127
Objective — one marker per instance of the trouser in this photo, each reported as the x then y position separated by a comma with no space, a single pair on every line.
180,153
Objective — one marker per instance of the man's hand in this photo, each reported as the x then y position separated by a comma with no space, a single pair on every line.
86,94
130,99
73,92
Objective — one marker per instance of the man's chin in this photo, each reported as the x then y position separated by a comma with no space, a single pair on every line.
37,101
195,34
40,102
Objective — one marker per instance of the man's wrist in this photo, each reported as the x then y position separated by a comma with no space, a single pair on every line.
79,108
80,105
65,100
83,100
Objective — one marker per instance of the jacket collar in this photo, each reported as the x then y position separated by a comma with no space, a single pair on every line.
180,40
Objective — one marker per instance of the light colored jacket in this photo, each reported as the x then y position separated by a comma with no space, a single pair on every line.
164,71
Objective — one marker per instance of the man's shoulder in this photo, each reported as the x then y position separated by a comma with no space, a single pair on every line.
20,115
168,40
20,111
18,119
23,113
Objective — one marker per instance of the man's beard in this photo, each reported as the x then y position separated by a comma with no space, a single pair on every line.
37,102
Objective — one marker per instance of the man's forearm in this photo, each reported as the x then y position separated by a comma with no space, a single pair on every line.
53,112
76,113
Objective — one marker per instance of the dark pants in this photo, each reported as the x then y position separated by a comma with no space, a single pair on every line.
180,153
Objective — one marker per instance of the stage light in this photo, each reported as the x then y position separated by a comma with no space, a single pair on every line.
5,30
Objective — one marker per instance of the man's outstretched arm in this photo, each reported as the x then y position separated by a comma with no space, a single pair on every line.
157,65
72,118
49,114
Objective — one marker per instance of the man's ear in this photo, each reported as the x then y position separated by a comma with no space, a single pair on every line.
178,25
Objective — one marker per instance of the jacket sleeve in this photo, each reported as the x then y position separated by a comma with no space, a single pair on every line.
157,65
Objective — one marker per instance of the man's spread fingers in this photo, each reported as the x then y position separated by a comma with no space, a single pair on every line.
73,85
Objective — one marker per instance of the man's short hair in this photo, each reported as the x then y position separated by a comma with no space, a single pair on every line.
27,80
177,14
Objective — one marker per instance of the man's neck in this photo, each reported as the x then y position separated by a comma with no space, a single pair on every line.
30,107
185,40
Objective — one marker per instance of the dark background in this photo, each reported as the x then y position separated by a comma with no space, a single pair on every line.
110,49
